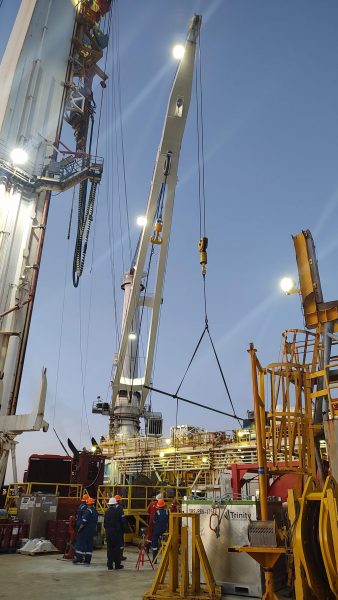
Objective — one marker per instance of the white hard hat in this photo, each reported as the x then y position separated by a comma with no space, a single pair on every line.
159,497
112,501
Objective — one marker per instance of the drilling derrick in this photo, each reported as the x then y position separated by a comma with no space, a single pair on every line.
46,73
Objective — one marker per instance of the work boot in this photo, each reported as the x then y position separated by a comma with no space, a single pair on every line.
119,567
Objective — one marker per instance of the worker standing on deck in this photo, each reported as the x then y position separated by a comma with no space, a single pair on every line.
120,508
151,510
114,526
160,526
85,534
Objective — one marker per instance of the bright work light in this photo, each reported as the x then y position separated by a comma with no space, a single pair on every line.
178,51
141,221
19,156
288,286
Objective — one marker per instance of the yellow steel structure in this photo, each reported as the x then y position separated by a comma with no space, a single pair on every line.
178,583
290,437
283,414
316,311
282,395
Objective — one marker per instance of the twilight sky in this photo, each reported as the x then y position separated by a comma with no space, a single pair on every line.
270,100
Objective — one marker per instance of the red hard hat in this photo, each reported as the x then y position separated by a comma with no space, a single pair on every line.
118,498
160,503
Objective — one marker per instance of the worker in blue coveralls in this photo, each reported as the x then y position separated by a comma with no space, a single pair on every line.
160,526
85,534
114,526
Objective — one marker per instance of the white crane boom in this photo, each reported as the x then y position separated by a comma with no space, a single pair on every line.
128,392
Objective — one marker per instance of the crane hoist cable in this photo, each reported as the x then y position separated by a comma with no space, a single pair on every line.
203,241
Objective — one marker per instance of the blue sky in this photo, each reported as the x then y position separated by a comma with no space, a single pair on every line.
270,97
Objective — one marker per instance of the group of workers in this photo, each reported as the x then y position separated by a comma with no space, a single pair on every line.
115,526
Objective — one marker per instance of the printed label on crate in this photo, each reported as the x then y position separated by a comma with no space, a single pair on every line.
52,509
15,530
38,505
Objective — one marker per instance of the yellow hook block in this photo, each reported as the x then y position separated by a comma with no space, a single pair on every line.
202,247
156,239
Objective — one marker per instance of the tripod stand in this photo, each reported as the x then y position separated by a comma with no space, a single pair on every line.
143,554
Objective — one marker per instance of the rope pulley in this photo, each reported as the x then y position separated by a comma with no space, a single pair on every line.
202,248
156,238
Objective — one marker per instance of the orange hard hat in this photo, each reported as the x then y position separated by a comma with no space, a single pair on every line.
160,503
90,500
84,497
118,498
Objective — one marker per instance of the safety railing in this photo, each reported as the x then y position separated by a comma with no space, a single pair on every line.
15,491
135,499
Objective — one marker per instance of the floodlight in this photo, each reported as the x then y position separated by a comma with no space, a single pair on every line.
178,51
141,221
288,286
19,156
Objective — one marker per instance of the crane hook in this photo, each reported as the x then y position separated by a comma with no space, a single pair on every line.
202,247
157,239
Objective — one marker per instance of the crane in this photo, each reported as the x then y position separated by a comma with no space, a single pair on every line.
128,392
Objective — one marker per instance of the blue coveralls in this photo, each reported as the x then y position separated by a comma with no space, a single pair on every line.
84,540
160,527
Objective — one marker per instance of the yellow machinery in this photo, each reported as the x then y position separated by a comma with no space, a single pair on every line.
296,410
